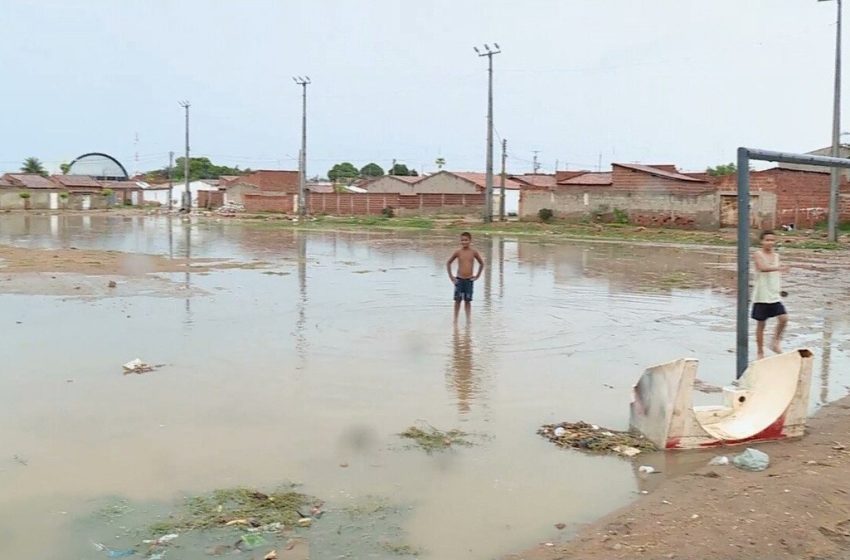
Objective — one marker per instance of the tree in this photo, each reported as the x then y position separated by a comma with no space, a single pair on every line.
372,170
400,169
65,167
199,168
722,170
342,171
34,165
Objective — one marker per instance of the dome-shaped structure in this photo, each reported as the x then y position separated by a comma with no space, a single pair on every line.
99,166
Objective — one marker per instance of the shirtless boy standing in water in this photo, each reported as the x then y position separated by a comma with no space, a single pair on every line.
465,257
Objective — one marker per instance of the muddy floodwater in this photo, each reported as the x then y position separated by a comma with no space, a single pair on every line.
303,358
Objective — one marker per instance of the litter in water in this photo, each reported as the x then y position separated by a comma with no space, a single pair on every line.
590,437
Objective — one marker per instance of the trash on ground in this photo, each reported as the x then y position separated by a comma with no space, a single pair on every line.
752,460
431,439
646,469
305,521
164,539
719,461
251,541
590,437
137,366
112,284
113,553
272,555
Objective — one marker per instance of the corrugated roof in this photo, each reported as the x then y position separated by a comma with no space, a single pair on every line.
480,179
658,172
31,181
535,179
76,181
406,178
589,178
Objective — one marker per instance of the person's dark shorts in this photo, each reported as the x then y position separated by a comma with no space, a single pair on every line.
765,311
463,289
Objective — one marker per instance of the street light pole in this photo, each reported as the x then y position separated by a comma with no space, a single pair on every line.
835,173
187,195
302,159
488,180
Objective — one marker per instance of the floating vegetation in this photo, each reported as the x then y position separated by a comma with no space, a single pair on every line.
589,437
236,506
430,439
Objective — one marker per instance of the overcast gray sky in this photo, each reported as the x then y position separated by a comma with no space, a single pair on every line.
652,81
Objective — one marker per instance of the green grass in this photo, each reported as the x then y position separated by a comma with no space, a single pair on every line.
430,439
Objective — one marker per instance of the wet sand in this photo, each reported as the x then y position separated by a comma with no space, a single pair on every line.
798,508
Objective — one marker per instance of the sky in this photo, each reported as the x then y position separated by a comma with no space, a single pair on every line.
581,82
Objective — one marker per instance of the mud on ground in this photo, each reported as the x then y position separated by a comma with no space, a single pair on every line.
799,508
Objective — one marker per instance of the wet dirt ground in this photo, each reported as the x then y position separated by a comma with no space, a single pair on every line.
298,356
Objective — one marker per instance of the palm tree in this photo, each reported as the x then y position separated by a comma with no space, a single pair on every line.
34,165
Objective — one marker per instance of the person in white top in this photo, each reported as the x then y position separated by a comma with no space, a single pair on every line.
767,292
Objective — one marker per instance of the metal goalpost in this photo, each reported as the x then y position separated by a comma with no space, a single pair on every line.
744,157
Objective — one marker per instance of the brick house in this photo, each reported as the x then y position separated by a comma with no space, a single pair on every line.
801,197
462,182
652,195
39,193
261,182
401,184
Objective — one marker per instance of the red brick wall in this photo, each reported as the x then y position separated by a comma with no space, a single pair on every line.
256,202
360,204
802,197
210,199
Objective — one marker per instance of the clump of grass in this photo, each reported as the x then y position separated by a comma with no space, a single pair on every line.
430,439
223,506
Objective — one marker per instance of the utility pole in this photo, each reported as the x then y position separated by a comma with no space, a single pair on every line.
502,214
170,179
302,159
187,195
488,180
536,165
835,173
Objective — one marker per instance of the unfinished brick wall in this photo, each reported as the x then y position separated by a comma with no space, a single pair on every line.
802,197
363,204
210,199
257,202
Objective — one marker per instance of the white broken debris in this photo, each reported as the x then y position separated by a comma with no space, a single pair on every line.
137,366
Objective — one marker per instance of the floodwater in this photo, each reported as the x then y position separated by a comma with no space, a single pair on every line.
303,365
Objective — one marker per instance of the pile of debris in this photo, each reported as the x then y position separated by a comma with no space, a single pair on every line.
590,437
230,209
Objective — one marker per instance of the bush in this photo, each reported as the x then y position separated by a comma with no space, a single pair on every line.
621,216
25,195
545,214
63,195
106,192
388,212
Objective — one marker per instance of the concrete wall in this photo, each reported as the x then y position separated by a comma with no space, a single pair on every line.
389,184
10,199
652,208
210,199
762,210
236,193
444,183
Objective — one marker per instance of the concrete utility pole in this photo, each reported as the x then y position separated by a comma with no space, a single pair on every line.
502,180
302,160
187,195
488,181
835,173
170,179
